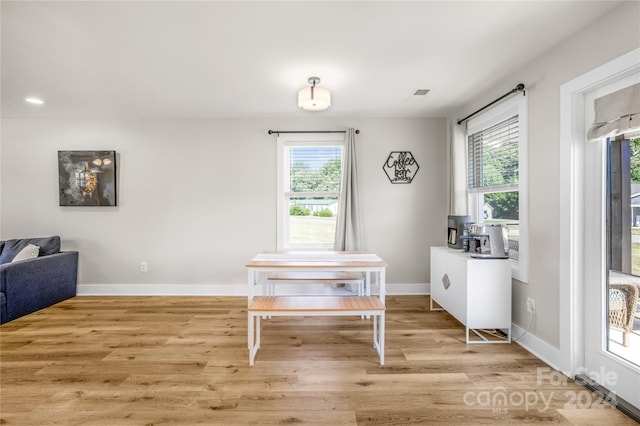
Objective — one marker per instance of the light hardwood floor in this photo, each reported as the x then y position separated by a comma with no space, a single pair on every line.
184,360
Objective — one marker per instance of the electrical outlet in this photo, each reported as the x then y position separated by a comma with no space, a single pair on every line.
531,305
144,267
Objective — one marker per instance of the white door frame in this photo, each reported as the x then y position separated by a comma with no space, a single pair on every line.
572,218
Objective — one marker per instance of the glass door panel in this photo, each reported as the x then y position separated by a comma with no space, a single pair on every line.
623,249
608,259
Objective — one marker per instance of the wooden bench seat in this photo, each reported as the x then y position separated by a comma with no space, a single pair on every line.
315,306
315,277
320,276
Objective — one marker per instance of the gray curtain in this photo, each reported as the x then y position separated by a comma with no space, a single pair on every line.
348,222
616,113
457,170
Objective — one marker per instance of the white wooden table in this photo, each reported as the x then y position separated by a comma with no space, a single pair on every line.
263,264
316,261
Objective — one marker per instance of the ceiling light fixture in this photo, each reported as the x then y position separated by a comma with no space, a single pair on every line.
314,98
34,101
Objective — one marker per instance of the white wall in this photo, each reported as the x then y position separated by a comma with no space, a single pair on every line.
196,198
612,35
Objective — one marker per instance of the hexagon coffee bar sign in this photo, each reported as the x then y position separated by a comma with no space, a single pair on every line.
400,167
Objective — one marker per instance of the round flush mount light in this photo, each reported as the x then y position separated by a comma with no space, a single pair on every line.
314,98
34,101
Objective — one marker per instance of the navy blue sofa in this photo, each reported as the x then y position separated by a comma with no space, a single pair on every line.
29,285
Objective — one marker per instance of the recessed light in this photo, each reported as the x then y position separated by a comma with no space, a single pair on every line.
34,101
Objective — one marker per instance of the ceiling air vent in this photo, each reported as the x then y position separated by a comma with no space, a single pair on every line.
420,92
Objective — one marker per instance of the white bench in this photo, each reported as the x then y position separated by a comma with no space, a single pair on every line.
315,306
315,277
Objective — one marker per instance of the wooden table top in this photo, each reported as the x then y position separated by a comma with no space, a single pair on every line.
316,259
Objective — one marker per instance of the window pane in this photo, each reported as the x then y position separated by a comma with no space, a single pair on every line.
312,220
504,207
501,206
623,249
315,169
634,154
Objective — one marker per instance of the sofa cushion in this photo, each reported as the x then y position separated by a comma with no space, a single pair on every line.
29,252
48,245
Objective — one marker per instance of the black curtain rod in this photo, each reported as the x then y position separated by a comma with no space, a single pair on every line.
518,88
310,131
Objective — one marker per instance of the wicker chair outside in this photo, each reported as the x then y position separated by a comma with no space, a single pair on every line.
623,300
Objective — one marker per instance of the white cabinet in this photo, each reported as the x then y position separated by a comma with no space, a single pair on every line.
477,292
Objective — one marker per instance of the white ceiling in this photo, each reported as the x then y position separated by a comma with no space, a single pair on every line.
179,59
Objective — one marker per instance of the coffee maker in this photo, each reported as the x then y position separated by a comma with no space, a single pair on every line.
455,229
491,241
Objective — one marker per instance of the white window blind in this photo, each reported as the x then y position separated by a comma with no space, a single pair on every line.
315,169
493,161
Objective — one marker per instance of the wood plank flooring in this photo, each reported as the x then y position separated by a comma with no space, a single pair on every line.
184,360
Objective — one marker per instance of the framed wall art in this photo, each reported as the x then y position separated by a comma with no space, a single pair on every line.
400,167
87,178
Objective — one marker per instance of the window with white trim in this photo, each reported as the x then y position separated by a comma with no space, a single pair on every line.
497,175
309,176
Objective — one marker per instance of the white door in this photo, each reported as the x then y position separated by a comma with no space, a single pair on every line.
605,358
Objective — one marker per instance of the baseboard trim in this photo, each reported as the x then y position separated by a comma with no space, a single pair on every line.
223,289
544,351
162,290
